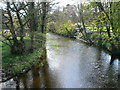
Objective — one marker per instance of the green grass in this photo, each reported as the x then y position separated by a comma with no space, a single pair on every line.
25,38
16,64
104,29
26,61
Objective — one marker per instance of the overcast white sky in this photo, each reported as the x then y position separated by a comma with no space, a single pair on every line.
65,2
62,2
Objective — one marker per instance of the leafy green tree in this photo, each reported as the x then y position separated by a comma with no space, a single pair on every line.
15,24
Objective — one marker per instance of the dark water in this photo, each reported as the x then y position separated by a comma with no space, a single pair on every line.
70,64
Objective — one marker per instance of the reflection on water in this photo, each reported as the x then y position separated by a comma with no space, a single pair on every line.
71,64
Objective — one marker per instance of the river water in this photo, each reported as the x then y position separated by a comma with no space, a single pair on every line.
70,64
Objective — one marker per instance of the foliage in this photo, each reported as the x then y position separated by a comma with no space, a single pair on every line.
14,64
66,28
99,21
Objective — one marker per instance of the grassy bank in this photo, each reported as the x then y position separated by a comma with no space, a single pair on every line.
13,65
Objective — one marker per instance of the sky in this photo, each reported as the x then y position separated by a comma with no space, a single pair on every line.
65,2
62,2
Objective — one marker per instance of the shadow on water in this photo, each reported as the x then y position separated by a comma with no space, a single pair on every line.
70,64
36,79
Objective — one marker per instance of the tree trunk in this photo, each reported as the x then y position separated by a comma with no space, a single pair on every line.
82,20
12,30
44,12
33,26
110,19
18,48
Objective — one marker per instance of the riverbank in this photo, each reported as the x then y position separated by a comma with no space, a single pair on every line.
86,42
14,65
88,66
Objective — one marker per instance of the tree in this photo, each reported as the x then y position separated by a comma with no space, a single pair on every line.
14,13
32,23
110,10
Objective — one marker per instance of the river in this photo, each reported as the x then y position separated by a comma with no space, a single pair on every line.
70,64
